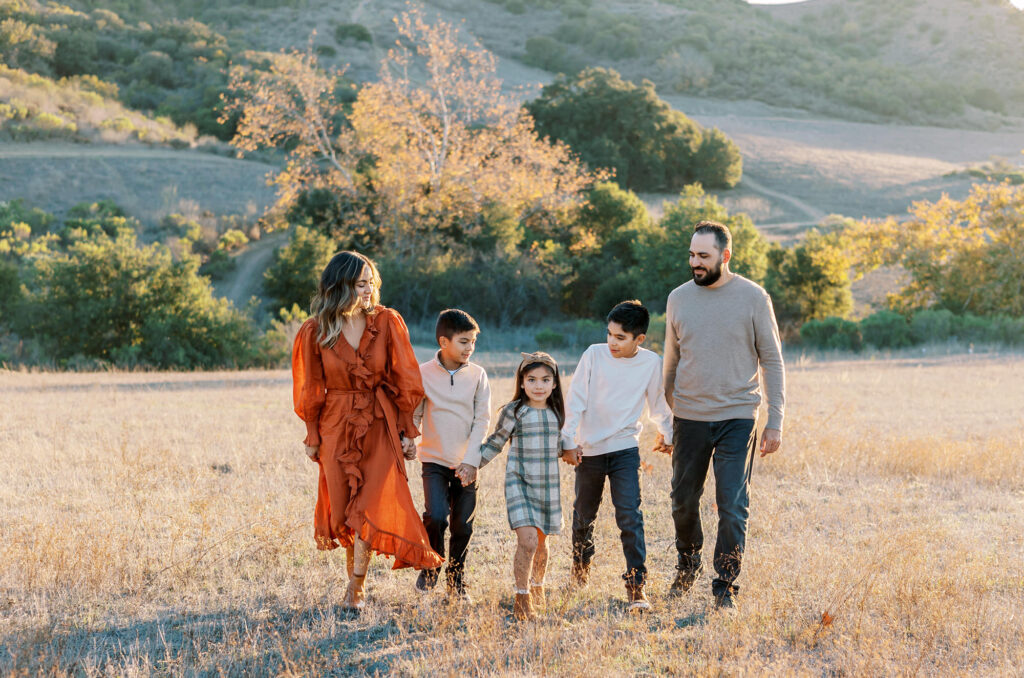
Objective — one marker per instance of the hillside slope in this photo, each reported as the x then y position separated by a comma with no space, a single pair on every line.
147,182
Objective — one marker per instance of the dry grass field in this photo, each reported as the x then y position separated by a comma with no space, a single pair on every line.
161,524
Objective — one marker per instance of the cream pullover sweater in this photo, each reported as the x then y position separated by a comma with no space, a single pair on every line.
607,398
454,413
716,339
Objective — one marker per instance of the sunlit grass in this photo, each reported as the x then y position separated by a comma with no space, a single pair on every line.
161,523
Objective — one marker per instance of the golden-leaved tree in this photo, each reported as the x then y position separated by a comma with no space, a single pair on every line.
962,255
426,151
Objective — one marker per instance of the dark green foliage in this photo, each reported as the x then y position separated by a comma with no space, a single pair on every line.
718,161
354,32
504,290
293,276
886,329
932,326
548,339
832,333
10,290
551,55
107,298
217,265
615,124
171,67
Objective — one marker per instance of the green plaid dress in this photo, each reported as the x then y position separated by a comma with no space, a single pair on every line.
531,472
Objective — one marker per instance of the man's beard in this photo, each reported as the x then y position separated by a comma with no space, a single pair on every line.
711,275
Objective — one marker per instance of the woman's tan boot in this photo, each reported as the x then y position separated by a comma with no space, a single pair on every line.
350,560
355,599
522,609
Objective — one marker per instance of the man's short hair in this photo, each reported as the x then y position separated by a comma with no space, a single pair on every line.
723,236
452,321
633,317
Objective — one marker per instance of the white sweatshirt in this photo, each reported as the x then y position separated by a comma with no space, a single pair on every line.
455,412
607,398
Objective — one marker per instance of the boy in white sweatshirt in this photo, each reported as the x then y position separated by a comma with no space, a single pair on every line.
453,416
609,389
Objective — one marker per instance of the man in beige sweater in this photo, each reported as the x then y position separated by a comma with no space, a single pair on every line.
720,332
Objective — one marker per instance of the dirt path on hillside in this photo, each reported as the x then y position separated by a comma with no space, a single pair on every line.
246,281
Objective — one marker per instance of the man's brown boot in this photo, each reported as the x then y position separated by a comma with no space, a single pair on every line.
636,598
522,609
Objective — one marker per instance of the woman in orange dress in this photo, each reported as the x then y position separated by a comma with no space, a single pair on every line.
356,383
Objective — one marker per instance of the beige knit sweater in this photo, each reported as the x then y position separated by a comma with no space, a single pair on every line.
715,341
454,413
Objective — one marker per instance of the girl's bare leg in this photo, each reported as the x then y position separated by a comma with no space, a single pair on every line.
540,558
524,560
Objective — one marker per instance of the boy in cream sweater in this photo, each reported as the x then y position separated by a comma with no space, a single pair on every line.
452,417
609,389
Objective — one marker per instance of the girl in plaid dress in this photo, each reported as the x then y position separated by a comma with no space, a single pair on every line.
532,422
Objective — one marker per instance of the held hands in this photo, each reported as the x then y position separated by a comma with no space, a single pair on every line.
661,446
572,457
771,439
313,452
408,448
466,473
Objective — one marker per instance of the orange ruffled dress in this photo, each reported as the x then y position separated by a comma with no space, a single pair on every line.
355,404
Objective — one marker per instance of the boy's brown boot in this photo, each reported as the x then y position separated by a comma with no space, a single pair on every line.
537,596
580,573
522,609
636,598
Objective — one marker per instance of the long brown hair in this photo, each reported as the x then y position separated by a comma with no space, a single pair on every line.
336,296
555,401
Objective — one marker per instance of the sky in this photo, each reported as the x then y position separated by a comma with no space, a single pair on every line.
1017,3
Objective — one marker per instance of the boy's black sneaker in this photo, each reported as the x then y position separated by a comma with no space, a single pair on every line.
683,582
427,580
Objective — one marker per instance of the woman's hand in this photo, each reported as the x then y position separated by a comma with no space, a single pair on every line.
313,452
408,448
466,473
572,457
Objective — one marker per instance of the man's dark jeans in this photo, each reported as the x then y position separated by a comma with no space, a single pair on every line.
444,497
730,444
622,468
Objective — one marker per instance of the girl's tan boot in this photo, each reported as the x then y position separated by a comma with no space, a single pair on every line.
522,608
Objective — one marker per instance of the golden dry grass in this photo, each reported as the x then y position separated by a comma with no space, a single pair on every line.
160,524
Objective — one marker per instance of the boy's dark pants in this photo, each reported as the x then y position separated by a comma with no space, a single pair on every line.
444,496
731,444
622,468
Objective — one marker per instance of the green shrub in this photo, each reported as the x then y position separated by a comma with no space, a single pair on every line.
326,51
295,272
612,123
549,54
548,339
932,325
108,299
232,240
832,333
886,329
354,32
218,265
